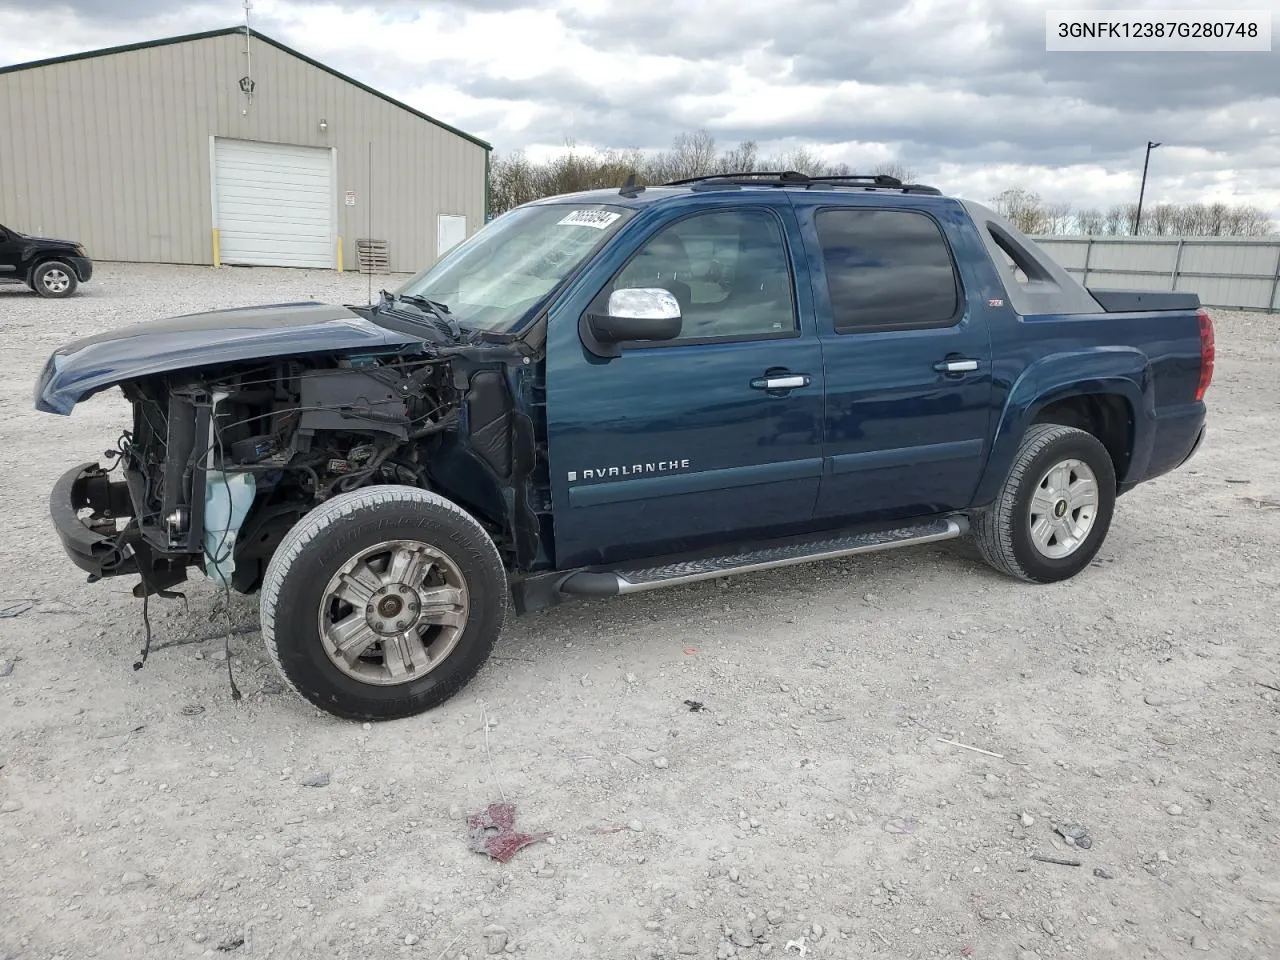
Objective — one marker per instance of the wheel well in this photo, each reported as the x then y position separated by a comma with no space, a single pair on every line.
1107,416
40,259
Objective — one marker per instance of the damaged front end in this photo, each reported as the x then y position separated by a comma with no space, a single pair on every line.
221,460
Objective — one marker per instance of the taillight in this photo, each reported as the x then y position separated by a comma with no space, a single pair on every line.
1206,354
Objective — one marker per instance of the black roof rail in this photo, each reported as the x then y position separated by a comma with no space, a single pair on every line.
752,176
785,178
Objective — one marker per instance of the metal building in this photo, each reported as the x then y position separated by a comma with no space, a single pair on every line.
229,147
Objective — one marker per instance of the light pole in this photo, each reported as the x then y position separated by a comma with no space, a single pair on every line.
1143,189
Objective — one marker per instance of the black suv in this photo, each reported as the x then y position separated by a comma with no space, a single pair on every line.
52,268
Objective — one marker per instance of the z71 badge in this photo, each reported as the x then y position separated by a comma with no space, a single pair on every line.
629,470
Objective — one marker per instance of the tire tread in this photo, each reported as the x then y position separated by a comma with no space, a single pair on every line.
993,526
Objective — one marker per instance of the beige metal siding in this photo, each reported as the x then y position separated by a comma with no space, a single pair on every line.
113,151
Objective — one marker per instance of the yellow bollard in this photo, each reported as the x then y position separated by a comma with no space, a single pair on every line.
217,248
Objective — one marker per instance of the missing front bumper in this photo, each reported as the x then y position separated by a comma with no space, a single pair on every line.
93,543
106,541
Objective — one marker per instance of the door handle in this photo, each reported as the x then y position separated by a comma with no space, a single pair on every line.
956,366
780,381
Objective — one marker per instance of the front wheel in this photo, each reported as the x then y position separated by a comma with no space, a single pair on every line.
53,278
1053,512
383,602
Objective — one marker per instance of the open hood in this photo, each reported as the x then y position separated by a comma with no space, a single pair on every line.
84,367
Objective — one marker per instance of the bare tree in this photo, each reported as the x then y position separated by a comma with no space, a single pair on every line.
513,180
1249,222
741,159
1118,219
1022,208
800,160
895,169
1057,218
1217,218
1090,222
1193,220
1160,223
691,155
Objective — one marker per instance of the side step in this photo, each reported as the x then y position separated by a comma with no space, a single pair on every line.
637,580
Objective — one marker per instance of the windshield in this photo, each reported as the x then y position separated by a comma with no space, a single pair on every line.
500,276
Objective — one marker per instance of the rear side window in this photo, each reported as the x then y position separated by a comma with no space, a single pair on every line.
887,270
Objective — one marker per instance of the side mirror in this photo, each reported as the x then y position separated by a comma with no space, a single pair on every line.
638,313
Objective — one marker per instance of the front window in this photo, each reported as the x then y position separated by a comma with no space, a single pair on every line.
728,270
503,274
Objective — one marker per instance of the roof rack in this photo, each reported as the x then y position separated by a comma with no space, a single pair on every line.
793,178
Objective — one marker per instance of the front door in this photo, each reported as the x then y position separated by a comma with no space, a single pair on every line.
712,437
9,254
907,358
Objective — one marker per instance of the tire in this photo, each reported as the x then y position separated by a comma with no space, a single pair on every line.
316,579
1004,530
54,279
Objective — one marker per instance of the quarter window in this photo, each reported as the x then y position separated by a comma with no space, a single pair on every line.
887,269
728,269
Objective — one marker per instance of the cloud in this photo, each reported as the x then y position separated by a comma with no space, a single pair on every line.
962,90
116,10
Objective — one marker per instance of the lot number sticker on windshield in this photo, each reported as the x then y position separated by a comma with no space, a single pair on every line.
589,218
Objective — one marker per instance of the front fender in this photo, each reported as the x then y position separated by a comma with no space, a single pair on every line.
1097,371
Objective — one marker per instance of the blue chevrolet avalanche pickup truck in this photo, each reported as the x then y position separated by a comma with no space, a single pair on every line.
620,390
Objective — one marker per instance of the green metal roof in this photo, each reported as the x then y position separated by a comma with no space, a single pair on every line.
228,31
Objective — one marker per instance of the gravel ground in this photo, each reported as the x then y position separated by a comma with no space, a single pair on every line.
809,810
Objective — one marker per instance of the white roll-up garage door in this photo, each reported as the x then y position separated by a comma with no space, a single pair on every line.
274,203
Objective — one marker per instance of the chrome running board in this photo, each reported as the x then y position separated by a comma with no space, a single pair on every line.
641,579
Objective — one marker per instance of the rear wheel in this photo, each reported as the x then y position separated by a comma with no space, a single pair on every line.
1053,512
53,278
383,602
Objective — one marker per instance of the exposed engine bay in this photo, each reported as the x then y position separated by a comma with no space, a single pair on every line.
220,463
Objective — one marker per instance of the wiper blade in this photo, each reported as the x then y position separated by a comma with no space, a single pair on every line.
434,305
436,309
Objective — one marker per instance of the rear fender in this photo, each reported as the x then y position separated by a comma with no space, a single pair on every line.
1120,371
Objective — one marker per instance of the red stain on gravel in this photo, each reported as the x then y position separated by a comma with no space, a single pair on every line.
493,832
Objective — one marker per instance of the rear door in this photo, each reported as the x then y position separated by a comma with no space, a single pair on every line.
907,360
707,439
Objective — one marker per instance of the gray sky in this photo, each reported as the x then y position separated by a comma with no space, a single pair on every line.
962,91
